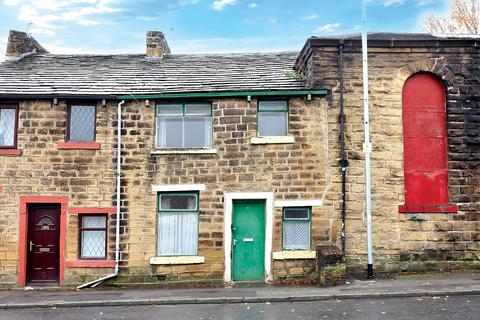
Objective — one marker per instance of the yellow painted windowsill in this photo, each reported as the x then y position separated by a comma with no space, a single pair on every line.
298,254
177,260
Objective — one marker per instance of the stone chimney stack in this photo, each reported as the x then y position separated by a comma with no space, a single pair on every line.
157,45
20,45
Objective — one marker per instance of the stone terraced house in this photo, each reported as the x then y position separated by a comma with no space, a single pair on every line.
231,167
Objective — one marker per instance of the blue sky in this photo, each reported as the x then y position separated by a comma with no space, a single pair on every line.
201,26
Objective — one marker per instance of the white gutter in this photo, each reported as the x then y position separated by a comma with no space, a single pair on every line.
367,146
96,282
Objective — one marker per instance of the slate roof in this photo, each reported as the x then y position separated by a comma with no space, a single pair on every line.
99,75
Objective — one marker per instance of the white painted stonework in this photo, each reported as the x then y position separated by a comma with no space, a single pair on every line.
298,254
272,140
177,187
229,198
177,260
298,203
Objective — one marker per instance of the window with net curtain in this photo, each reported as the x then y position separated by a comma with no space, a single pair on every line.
8,117
177,224
93,237
183,126
272,118
296,228
81,126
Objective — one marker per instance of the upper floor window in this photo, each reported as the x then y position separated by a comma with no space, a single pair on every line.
81,125
8,126
272,118
187,125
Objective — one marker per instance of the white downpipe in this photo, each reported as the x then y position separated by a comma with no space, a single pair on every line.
367,146
119,183
96,282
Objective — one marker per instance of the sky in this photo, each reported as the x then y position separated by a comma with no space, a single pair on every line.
202,26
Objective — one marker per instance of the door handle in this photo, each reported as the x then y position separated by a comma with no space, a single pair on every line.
234,241
31,245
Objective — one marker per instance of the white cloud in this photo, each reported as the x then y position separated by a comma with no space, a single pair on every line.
232,45
42,31
253,5
11,3
329,27
386,3
424,2
220,4
51,14
146,18
309,17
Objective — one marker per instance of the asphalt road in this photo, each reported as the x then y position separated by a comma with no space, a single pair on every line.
425,308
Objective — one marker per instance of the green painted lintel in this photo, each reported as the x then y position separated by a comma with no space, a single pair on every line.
222,94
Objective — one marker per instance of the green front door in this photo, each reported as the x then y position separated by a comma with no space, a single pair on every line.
248,240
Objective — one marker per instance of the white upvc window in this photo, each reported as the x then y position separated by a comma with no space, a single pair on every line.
177,224
297,228
187,125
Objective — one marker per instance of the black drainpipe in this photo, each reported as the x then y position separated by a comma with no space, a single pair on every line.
343,161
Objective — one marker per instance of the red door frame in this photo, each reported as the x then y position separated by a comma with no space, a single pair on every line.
23,233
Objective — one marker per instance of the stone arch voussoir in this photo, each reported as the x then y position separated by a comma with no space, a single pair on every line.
437,66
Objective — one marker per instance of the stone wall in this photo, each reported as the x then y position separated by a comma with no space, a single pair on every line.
294,171
86,177
298,171
402,241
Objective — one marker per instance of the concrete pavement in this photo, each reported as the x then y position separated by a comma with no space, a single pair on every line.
413,286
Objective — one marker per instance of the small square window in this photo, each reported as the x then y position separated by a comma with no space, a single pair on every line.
8,126
296,228
177,224
93,237
272,118
81,126
184,126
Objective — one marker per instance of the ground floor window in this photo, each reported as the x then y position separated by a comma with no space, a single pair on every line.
296,228
177,224
93,236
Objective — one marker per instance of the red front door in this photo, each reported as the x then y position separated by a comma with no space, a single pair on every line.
43,244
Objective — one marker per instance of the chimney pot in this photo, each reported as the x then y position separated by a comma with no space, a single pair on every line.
157,46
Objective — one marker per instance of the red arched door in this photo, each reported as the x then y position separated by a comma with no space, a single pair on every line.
425,145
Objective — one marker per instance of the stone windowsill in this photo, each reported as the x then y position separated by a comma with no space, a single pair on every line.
272,140
449,208
184,151
177,260
91,264
10,152
294,254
